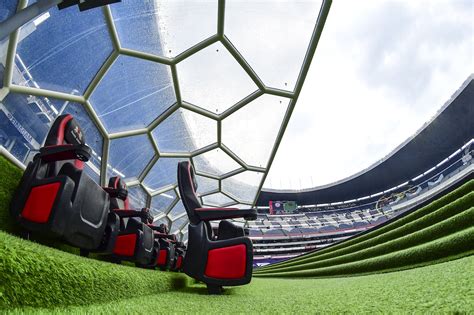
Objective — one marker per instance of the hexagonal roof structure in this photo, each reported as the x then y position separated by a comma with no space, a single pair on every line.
153,83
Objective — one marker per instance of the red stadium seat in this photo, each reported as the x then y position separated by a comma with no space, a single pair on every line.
223,260
57,198
135,241
166,243
180,251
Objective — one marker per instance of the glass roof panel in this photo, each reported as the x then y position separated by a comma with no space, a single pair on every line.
137,197
206,184
177,210
163,173
213,79
129,156
243,186
261,117
161,202
7,9
260,34
176,225
217,199
164,28
185,131
163,220
132,86
25,122
93,138
214,162
63,51
184,238
54,50
23,125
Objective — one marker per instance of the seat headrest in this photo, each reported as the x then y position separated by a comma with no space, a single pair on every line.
187,185
65,130
163,228
190,171
118,188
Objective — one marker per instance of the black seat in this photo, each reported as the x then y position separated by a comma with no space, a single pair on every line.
180,251
56,197
166,243
135,240
223,260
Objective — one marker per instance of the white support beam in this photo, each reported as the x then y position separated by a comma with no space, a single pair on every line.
46,93
112,29
318,29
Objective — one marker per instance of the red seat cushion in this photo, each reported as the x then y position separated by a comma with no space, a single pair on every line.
161,261
40,202
227,262
125,245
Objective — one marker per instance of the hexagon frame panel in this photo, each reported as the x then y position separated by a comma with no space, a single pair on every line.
22,81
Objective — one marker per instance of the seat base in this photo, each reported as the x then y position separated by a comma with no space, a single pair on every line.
214,289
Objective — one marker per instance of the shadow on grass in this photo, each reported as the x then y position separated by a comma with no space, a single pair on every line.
184,284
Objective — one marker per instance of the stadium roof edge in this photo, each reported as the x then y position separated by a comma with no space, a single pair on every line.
296,194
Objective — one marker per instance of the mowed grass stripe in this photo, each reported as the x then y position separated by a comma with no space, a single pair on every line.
415,228
453,196
452,246
452,225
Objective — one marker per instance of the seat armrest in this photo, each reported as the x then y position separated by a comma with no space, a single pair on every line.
210,214
65,152
169,237
159,234
128,213
116,193
131,213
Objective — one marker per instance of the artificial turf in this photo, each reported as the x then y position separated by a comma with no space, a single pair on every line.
440,288
448,214
38,278
32,274
9,178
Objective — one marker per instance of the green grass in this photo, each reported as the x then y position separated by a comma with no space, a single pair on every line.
9,178
36,275
436,234
446,215
441,288
378,268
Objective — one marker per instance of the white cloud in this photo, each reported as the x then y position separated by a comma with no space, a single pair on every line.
381,70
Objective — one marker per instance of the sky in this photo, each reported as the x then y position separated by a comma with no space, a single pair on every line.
381,70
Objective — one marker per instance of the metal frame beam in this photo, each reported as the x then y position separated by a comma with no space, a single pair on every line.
173,63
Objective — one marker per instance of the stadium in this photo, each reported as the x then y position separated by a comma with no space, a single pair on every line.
145,147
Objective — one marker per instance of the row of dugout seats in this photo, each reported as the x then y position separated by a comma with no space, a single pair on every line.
56,198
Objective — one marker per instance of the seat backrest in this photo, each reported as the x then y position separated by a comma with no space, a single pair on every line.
65,130
187,185
118,193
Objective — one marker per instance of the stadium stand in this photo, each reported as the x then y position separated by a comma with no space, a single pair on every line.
280,237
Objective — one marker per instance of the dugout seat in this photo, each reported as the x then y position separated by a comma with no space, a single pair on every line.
135,240
57,198
166,242
179,252
223,260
